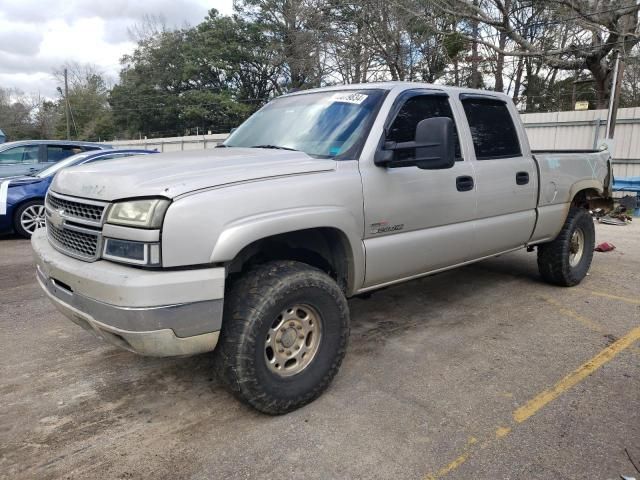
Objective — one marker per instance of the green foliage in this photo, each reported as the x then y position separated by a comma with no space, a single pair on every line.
90,115
210,77
544,96
23,117
454,44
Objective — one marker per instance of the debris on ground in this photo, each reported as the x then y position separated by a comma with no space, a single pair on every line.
618,216
630,202
605,247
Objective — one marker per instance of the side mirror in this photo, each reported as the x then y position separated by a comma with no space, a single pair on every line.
434,147
435,144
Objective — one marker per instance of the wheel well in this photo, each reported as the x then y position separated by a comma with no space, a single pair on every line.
324,248
590,198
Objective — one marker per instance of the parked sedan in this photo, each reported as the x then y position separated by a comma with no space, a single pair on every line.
31,156
22,198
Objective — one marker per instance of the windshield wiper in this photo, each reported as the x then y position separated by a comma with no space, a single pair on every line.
275,147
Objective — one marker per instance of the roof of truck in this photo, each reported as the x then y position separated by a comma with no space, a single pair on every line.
402,85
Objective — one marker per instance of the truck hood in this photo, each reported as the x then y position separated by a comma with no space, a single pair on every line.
173,174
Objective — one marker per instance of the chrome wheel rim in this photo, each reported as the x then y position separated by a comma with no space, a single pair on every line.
32,218
576,247
292,341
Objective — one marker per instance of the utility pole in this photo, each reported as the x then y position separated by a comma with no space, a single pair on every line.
66,102
614,98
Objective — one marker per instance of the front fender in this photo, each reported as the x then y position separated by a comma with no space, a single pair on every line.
240,233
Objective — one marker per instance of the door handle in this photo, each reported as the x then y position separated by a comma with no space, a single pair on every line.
464,183
522,178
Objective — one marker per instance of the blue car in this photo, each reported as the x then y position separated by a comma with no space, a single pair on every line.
22,198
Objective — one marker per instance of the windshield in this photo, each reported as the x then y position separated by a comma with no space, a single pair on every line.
67,162
326,124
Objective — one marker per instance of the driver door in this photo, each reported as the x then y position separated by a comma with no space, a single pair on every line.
417,221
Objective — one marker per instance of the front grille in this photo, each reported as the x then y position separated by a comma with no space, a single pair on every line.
74,225
79,210
79,244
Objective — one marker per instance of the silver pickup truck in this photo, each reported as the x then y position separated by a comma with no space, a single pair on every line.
253,248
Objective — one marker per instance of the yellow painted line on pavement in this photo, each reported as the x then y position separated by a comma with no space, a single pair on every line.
633,301
575,315
534,405
575,377
581,318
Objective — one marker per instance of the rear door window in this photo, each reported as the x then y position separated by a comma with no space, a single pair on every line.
28,154
414,110
492,129
55,153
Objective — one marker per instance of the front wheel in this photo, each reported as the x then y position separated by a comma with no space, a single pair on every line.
28,218
566,260
284,335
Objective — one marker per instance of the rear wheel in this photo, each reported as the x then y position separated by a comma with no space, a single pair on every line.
28,218
566,260
283,337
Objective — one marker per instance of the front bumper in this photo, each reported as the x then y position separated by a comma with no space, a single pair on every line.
156,313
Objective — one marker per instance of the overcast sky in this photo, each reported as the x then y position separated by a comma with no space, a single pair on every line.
37,36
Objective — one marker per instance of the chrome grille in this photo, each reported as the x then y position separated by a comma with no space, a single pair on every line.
74,225
80,244
78,210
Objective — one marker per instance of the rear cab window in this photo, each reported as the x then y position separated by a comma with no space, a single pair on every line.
413,111
492,129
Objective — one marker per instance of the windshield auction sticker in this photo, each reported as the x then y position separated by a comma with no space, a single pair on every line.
355,98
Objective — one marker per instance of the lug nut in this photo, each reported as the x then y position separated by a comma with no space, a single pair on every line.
300,337
299,327
288,352
281,350
292,324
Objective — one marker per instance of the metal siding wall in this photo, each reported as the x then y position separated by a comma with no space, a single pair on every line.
552,131
558,131
173,144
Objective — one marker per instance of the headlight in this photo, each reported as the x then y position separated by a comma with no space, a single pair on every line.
147,213
127,251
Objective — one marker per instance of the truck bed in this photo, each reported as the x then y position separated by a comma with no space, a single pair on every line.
564,171
561,175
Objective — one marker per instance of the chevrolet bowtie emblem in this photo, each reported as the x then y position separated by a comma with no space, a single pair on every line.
56,218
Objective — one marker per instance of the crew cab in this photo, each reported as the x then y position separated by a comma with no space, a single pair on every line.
251,250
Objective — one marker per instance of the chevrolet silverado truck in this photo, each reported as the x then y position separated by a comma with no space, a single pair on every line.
251,249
